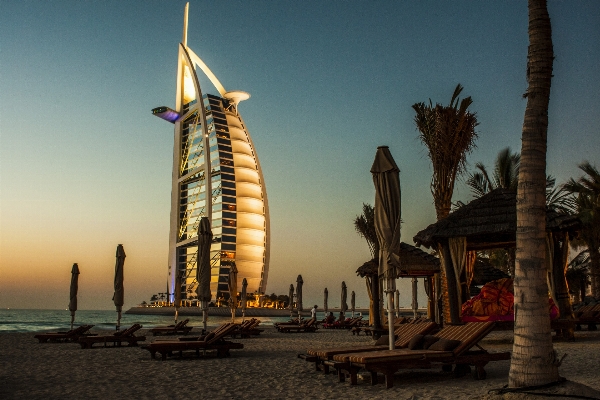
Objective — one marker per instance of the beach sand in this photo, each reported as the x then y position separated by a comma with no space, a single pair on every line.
267,368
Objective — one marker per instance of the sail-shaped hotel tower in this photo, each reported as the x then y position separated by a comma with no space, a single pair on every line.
216,174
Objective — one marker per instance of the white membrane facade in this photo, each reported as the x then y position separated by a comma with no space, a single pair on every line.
216,173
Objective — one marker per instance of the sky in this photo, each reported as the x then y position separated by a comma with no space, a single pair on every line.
85,166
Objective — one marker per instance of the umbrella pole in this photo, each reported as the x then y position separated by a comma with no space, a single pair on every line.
390,311
243,314
72,319
118,320
176,314
204,314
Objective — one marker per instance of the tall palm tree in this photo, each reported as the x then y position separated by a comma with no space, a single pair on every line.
365,227
533,359
449,134
587,200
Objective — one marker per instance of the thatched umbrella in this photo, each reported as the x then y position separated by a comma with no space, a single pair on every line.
299,283
352,302
344,304
291,303
325,297
178,283
203,267
232,285
243,298
386,177
119,294
73,292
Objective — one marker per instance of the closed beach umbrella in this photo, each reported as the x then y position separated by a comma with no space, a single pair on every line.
299,283
353,302
386,178
119,295
178,282
325,297
232,285
203,267
243,296
344,305
73,292
291,295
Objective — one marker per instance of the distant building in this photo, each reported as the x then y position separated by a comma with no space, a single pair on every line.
211,140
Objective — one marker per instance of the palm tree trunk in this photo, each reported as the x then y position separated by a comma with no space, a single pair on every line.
533,358
595,270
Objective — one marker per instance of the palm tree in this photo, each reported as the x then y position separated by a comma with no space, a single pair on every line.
449,134
533,359
365,227
587,200
505,174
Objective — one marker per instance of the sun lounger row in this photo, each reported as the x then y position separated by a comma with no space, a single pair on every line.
308,326
449,346
348,323
69,336
403,335
247,328
116,339
180,328
214,341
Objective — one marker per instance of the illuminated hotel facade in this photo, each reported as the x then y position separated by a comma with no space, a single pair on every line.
216,174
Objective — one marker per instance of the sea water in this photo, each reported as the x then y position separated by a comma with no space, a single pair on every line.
17,320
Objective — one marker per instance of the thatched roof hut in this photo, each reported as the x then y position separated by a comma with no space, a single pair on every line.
489,222
414,263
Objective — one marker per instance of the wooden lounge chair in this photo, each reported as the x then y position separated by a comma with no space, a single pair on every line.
404,333
308,326
212,341
117,338
588,315
180,328
388,362
69,336
247,328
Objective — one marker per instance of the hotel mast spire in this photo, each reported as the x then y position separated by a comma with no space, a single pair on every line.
185,24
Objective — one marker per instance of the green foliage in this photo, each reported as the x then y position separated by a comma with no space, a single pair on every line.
449,134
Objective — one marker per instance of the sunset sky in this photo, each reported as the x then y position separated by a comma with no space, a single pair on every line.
85,166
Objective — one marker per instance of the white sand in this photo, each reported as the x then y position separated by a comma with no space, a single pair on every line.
267,368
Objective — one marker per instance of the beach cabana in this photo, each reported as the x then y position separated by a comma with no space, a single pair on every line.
490,222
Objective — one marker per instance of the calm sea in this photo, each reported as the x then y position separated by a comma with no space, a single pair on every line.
14,320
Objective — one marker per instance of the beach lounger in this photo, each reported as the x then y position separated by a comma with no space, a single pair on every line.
212,341
588,315
180,329
117,338
404,333
308,326
453,348
247,328
69,336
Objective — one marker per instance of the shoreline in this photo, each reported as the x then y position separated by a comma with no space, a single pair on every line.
266,368
226,312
